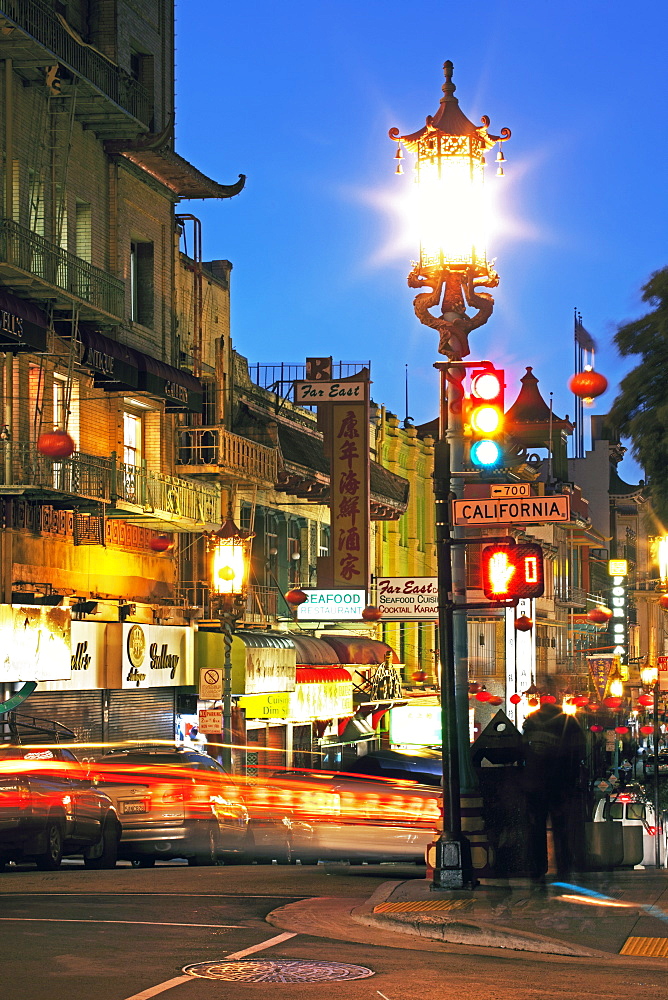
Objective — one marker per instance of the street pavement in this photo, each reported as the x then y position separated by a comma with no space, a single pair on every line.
621,913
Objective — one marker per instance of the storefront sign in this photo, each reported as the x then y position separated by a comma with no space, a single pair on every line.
322,700
87,660
35,643
312,393
662,664
415,725
148,656
408,598
520,659
331,605
619,621
350,497
266,706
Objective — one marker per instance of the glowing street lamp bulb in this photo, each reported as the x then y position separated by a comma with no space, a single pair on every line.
616,688
226,573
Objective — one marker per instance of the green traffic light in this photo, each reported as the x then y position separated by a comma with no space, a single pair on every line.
485,454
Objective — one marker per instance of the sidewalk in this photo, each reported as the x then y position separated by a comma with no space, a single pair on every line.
624,920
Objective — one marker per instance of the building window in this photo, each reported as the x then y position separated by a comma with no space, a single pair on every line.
323,541
84,231
141,283
132,438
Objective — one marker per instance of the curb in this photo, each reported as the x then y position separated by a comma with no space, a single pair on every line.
459,931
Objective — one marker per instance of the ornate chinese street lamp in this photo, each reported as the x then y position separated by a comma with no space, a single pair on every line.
231,561
449,166
649,676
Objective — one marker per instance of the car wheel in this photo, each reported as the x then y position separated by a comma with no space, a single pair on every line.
207,854
50,859
285,855
109,853
144,861
245,855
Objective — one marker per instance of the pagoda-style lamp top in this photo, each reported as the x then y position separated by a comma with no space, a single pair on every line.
450,159
231,552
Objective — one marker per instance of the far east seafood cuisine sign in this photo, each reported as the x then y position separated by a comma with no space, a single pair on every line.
408,598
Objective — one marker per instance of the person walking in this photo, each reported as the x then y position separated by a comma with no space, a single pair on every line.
554,749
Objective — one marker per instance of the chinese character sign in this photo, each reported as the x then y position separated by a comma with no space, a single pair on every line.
350,511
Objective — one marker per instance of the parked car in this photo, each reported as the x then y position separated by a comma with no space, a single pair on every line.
628,809
50,808
424,765
648,764
175,802
346,817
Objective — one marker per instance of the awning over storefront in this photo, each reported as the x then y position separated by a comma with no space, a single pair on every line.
180,390
22,325
322,675
262,662
358,648
312,651
114,366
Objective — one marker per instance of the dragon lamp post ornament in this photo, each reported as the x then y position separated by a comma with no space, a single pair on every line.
450,161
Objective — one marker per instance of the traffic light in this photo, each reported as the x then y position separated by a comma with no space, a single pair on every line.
486,417
512,571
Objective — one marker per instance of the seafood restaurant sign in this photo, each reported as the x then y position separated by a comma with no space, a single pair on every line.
408,598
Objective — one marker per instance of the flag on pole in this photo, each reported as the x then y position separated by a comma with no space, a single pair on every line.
583,337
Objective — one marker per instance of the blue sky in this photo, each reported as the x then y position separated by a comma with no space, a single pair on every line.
300,97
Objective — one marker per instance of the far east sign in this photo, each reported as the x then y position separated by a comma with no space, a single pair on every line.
532,510
313,393
408,598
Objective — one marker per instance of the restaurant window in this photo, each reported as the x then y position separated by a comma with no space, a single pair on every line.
141,283
65,404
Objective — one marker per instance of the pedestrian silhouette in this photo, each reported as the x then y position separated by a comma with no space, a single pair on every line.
554,749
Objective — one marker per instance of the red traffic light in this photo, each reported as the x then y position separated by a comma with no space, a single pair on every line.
512,571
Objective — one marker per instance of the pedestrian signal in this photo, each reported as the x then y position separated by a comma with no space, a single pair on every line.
512,571
486,418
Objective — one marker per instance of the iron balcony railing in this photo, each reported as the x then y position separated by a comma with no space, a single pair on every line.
573,597
231,454
105,480
279,377
30,252
38,20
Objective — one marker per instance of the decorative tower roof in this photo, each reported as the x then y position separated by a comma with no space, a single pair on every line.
451,120
529,418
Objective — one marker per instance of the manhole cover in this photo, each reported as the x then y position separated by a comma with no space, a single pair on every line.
280,971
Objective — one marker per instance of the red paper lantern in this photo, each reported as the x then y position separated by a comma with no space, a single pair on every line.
474,687
596,729
587,385
647,730
495,700
418,676
523,624
599,615
621,730
483,695
547,699
296,597
612,702
663,602
533,702
645,700
581,700
55,444
371,613
161,543
515,699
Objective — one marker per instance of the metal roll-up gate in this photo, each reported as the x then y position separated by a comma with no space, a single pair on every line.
80,711
142,714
